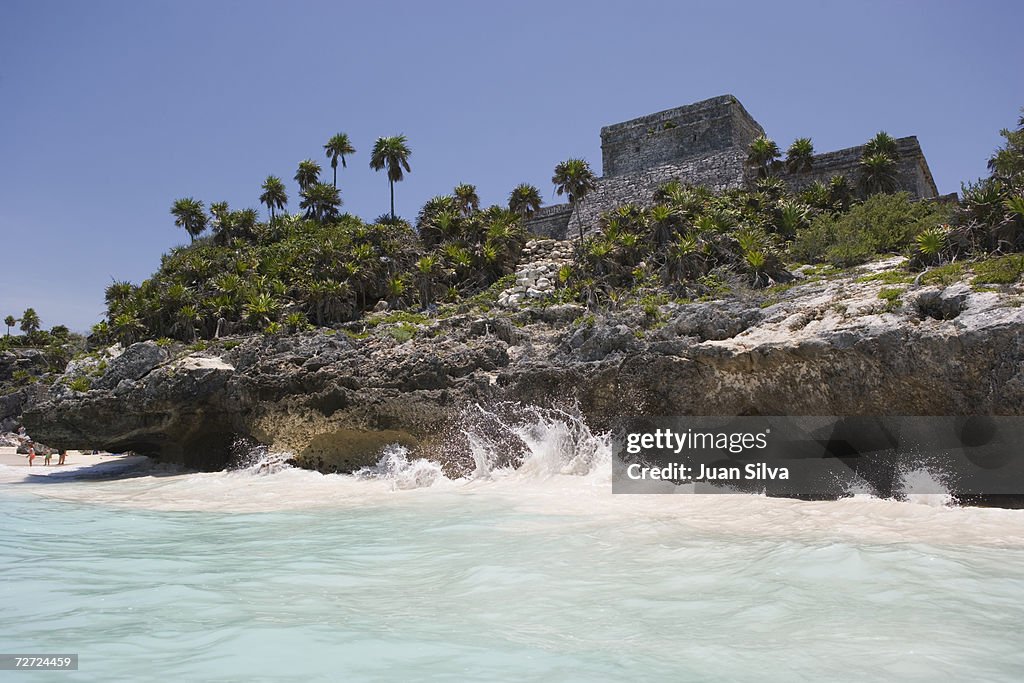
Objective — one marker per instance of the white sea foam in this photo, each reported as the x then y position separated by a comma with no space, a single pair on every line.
548,462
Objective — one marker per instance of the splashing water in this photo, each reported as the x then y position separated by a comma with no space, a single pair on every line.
546,441
923,487
260,460
395,467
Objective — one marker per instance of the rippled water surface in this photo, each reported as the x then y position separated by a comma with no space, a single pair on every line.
527,575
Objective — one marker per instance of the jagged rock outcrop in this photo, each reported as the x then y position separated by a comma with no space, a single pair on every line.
825,346
20,371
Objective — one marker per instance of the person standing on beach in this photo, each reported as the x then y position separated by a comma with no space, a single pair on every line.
31,454
63,456
46,457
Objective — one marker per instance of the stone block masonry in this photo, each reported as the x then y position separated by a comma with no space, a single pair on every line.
704,143
913,174
718,171
696,130
550,221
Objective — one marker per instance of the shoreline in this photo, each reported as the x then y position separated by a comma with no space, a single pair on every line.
9,457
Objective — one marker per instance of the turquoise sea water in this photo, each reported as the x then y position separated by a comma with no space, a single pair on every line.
533,575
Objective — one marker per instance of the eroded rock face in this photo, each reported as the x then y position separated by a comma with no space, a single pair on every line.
332,401
824,347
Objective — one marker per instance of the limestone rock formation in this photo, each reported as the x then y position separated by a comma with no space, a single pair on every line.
825,346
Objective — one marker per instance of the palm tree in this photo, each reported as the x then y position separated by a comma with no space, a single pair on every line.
10,321
30,321
467,199
393,154
574,178
220,216
274,195
762,155
878,174
307,174
321,202
524,201
337,147
882,143
190,214
799,156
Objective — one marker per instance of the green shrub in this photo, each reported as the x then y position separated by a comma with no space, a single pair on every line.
80,384
403,332
883,223
999,271
23,377
891,297
943,275
888,277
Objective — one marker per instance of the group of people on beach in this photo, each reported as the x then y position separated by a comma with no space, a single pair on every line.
63,453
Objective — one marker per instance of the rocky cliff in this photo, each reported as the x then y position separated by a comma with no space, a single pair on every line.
832,344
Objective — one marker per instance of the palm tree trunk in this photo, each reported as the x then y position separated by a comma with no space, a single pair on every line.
392,183
335,167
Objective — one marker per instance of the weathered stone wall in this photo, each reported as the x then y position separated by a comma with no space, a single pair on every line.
913,173
703,144
674,135
550,221
720,171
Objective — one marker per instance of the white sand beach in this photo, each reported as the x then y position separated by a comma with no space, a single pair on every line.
75,460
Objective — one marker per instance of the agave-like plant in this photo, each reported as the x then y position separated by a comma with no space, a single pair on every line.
931,241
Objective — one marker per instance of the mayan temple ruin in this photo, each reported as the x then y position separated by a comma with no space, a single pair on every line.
704,143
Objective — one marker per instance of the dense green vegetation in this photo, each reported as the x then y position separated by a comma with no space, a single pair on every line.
693,242
321,267
58,345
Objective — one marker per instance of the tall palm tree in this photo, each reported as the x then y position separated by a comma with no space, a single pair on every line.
799,156
391,153
337,147
30,321
10,321
574,178
762,155
321,202
467,198
524,201
307,174
274,194
190,214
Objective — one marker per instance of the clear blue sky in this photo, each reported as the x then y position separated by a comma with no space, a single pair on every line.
111,110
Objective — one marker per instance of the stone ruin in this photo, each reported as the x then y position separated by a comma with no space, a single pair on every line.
704,143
